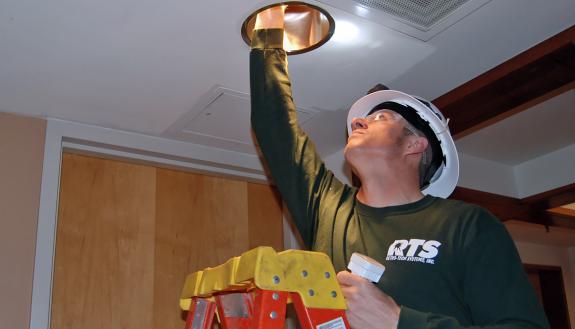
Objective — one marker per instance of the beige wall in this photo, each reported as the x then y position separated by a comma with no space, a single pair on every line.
539,254
21,157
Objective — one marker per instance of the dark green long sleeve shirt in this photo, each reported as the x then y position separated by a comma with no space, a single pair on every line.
449,264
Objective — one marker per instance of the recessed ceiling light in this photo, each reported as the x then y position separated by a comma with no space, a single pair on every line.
346,32
306,26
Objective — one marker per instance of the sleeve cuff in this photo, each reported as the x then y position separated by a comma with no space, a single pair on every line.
411,319
268,38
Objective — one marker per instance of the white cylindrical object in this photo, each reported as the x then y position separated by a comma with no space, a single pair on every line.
366,267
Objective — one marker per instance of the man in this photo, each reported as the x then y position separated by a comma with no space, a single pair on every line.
448,264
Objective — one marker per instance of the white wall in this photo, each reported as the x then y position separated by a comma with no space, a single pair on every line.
532,177
564,257
487,176
546,172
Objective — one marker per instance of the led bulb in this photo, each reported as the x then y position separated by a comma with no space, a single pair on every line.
366,267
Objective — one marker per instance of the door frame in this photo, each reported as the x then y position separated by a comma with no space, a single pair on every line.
104,142
557,288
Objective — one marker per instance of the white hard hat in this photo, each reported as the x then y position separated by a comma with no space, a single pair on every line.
445,178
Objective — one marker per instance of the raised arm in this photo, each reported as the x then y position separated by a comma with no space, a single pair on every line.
290,155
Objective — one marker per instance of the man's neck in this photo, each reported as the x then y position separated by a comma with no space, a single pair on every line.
386,199
388,191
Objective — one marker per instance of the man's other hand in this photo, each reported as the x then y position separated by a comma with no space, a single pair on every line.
368,307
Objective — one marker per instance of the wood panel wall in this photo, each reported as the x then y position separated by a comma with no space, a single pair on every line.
128,234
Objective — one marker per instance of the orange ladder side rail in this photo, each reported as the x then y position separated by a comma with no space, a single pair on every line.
318,318
201,314
260,309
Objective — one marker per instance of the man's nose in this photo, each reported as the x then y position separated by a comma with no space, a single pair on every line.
358,123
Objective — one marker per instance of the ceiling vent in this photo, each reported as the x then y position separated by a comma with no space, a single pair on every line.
422,19
221,119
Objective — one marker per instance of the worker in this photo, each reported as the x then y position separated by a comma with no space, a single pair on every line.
449,264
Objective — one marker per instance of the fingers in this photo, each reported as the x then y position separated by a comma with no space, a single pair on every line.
346,278
343,278
270,18
367,306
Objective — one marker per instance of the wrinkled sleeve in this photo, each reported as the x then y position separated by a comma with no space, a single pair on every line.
291,158
496,290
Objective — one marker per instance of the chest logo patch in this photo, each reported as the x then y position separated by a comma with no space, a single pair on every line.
414,250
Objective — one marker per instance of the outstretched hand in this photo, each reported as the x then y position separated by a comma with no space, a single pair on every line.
271,18
368,307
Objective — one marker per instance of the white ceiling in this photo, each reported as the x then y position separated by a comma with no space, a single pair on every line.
150,67
540,130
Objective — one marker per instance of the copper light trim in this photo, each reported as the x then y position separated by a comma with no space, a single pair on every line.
306,26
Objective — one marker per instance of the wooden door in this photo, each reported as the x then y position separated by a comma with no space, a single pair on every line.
128,234
548,284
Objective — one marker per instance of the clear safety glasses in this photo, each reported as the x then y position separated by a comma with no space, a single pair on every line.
389,115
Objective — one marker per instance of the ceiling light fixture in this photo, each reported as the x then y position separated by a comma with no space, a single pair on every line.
306,27
346,32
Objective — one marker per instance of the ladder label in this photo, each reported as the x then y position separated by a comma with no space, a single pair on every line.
333,324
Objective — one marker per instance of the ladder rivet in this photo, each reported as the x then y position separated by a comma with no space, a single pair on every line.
276,279
333,294
304,273
275,296
327,275
311,292
273,314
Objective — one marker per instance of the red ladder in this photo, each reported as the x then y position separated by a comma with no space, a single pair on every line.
260,309
252,292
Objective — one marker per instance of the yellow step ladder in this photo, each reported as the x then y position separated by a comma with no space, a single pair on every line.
252,290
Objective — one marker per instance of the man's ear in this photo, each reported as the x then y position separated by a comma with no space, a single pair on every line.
416,145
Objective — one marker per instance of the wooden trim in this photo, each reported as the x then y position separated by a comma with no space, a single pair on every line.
564,212
560,221
533,209
536,267
544,48
500,71
486,199
503,207
533,74
516,110
553,198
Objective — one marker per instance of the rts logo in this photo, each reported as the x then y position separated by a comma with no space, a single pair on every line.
414,250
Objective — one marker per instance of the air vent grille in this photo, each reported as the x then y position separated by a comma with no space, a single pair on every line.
421,13
421,19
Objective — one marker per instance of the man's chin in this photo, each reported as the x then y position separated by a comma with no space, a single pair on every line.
349,151
352,145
